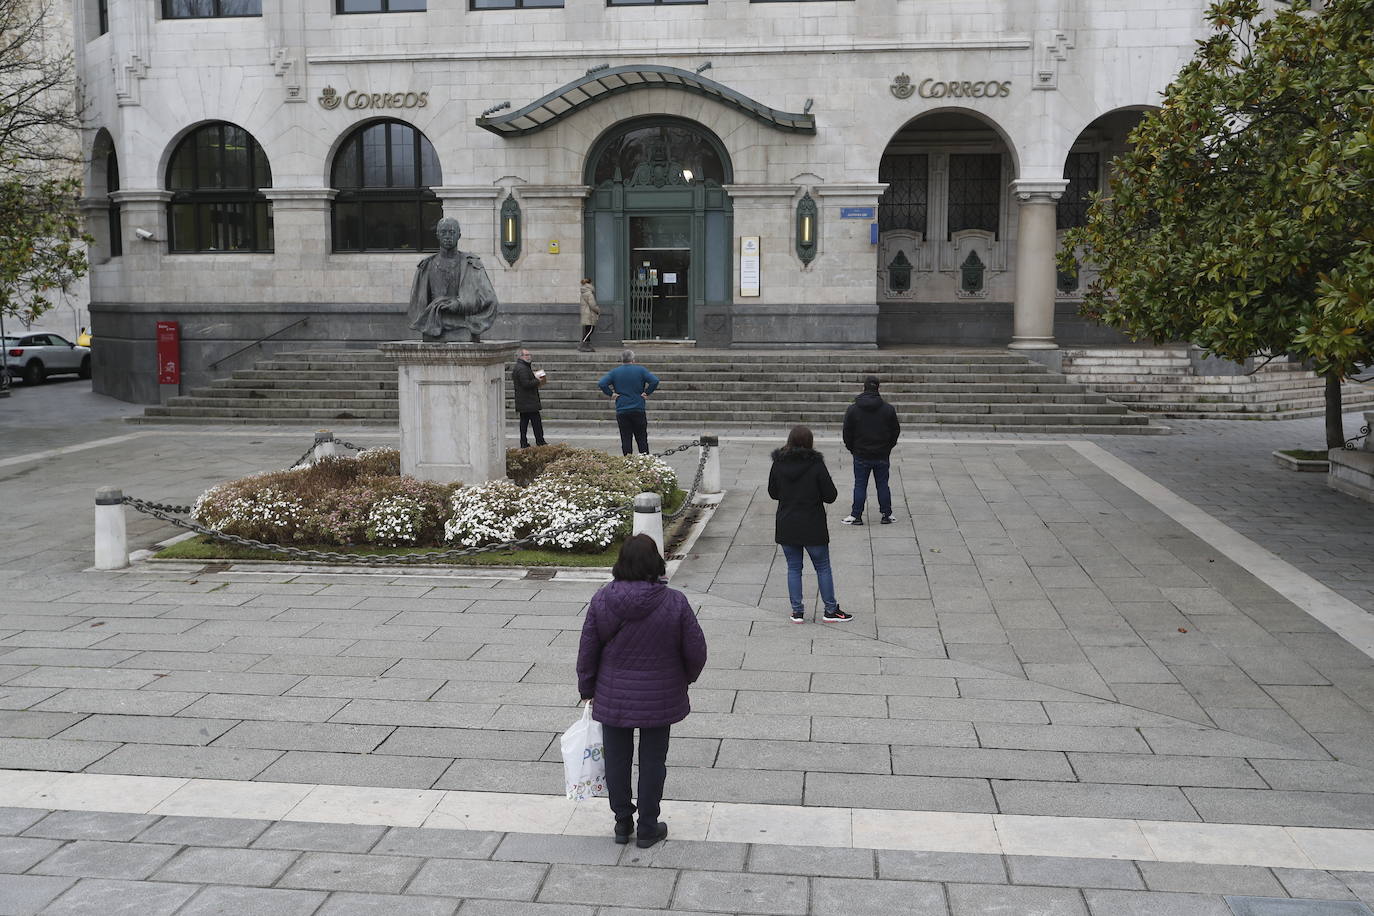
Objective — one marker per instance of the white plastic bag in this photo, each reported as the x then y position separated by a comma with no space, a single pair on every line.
584,766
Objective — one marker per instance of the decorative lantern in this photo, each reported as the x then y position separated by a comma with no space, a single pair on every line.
510,229
806,228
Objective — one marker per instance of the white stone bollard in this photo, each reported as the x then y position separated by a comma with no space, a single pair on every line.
648,512
325,446
710,475
111,535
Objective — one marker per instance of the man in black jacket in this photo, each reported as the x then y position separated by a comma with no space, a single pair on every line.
870,432
527,383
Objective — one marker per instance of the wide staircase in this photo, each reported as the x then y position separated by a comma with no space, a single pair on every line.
1160,381
982,391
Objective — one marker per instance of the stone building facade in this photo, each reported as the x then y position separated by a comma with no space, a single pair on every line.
817,173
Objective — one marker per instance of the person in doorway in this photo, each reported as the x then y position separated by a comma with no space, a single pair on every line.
629,384
641,647
802,486
527,383
870,433
591,313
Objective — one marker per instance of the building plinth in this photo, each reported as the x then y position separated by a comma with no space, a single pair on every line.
452,409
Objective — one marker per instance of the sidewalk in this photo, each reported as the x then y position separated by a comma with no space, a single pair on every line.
1055,698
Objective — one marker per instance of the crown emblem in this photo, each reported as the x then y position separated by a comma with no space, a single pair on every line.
329,98
901,86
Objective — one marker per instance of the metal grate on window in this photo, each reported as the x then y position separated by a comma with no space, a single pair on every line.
905,203
1081,169
975,192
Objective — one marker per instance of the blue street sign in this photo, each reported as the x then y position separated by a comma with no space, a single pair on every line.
872,233
857,212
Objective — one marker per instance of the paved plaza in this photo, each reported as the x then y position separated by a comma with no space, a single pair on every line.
1110,676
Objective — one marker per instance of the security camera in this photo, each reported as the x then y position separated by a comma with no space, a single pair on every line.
144,234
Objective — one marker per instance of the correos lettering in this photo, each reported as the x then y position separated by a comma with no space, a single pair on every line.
358,100
965,89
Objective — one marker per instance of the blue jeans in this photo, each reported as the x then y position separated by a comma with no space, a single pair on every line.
878,468
820,559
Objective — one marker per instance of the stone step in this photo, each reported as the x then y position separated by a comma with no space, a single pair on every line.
324,388
570,407
986,392
608,357
722,426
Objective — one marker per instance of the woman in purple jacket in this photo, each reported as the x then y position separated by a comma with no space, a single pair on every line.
641,646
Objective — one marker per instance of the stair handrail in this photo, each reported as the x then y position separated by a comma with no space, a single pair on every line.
258,341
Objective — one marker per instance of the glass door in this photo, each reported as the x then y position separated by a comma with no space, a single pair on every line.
660,266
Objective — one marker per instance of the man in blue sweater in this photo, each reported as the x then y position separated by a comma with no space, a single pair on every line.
630,384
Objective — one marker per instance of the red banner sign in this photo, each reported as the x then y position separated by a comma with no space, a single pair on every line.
168,353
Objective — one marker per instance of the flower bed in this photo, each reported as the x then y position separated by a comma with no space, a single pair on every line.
365,502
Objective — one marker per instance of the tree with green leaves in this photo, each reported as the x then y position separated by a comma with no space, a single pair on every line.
42,248
1242,219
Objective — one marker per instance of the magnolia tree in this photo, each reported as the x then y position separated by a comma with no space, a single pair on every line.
42,248
1242,219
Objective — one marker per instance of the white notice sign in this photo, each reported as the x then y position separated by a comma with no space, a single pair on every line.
749,272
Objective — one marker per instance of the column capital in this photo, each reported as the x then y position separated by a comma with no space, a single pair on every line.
149,196
550,191
1039,190
744,191
862,191
300,198
473,193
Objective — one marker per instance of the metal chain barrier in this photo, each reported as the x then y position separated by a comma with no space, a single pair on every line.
167,512
301,460
696,482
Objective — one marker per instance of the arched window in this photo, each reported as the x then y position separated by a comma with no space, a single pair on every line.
384,173
112,185
216,177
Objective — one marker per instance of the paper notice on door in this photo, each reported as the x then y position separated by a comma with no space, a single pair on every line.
749,273
669,278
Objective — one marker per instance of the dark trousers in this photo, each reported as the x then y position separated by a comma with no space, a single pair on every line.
633,423
587,334
530,418
878,468
653,770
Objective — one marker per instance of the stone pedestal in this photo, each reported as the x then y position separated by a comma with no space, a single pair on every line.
452,409
1352,472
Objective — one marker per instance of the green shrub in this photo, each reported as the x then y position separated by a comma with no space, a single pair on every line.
525,464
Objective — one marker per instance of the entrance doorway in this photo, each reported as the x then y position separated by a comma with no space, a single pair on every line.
660,271
658,229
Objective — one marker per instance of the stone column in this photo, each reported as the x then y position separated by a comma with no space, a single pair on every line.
1033,318
301,215
452,409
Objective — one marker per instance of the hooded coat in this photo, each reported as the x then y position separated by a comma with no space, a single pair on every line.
641,646
591,312
870,427
802,486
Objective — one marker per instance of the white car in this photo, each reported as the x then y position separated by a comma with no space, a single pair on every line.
38,354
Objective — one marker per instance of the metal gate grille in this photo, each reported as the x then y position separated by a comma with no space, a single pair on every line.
641,310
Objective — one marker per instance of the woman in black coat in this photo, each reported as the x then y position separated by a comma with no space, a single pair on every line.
802,486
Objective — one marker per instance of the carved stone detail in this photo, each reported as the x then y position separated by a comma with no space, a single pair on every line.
1052,55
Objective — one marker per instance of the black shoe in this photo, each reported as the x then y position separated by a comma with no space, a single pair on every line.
798,617
852,520
887,519
644,842
836,616
623,829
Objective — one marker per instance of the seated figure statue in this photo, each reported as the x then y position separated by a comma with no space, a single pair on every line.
452,298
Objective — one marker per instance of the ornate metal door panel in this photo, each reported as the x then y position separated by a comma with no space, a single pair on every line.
641,308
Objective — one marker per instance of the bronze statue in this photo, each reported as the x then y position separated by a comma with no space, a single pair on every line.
452,298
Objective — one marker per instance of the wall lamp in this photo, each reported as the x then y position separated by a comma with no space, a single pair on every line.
510,229
806,228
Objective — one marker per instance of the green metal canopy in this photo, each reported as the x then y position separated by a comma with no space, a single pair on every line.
602,84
